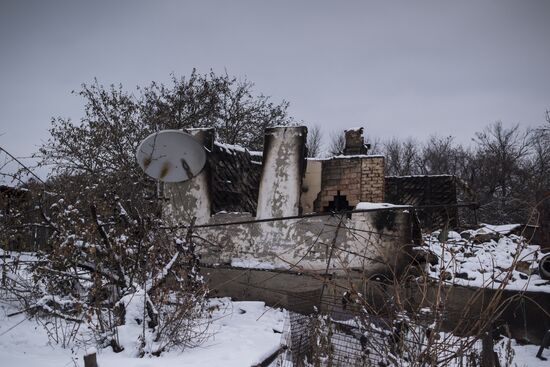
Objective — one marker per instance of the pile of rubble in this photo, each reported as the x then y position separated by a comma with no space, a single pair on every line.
488,257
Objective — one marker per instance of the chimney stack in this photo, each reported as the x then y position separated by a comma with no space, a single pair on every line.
355,144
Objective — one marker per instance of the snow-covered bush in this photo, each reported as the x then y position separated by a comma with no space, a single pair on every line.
111,267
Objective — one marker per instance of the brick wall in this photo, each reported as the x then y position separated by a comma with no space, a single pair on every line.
357,178
372,179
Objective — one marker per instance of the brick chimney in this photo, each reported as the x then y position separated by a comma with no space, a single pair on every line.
355,144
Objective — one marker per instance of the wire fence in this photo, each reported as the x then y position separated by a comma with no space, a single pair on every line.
365,340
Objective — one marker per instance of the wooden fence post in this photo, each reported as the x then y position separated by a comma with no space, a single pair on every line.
488,356
90,360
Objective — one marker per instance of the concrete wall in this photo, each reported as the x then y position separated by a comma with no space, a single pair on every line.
374,242
311,185
283,167
523,312
192,198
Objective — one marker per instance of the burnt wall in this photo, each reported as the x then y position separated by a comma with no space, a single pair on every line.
283,165
22,221
425,190
192,198
374,242
542,235
229,182
235,179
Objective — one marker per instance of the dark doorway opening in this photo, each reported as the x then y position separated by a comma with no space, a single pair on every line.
339,204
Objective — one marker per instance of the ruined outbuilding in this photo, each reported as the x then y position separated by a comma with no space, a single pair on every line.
265,210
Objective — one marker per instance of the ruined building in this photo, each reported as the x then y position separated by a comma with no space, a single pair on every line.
243,191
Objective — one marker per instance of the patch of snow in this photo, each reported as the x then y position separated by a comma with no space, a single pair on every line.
121,209
231,147
412,176
24,343
452,235
253,264
341,156
198,129
224,212
524,355
17,256
500,229
368,206
242,334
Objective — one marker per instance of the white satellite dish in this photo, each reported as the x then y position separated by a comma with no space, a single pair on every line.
171,156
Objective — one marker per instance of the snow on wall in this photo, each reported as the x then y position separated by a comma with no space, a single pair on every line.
369,206
281,180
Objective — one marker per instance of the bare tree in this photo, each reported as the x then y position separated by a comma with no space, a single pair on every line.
115,121
375,145
314,141
441,155
109,251
100,148
500,162
540,157
401,157
106,259
337,143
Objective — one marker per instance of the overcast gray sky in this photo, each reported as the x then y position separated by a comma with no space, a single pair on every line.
396,67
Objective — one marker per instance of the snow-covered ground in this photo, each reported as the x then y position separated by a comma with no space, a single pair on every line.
242,334
245,333
523,355
488,263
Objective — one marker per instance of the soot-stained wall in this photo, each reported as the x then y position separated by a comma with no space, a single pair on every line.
192,198
372,242
235,179
283,168
426,190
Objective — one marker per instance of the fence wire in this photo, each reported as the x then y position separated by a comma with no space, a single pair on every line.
317,340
